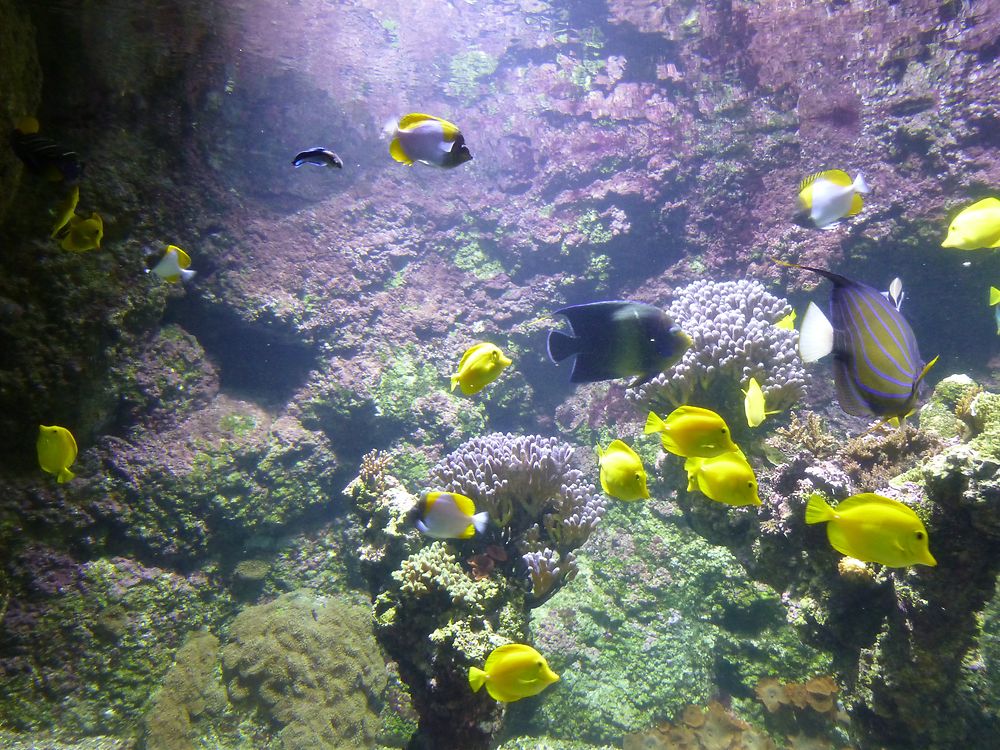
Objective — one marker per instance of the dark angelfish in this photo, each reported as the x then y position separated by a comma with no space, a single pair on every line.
43,156
617,339
877,366
321,157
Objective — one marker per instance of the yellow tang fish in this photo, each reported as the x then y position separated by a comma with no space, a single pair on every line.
79,234
995,304
65,210
873,528
427,139
481,365
513,672
754,405
787,323
691,431
976,226
448,515
827,197
728,478
622,474
56,451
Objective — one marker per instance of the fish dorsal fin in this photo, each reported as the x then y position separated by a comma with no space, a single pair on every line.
985,203
503,652
470,352
836,176
618,446
815,334
857,203
413,119
183,259
848,395
463,503
396,152
869,498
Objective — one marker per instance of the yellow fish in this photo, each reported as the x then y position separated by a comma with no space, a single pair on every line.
481,365
873,528
753,404
448,515
427,139
56,451
65,210
787,323
513,672
691,431
827,197
80,235
726,479
174,266
976,226
995,304
622,474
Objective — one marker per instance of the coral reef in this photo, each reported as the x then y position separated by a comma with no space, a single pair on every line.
311,667
532,491
731,324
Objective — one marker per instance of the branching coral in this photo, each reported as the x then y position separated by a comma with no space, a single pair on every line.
530,489
732,326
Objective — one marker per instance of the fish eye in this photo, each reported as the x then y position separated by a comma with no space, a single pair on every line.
749,485
638,475
920,535
494,355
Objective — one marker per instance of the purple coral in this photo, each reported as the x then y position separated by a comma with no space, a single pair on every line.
530,489
732,325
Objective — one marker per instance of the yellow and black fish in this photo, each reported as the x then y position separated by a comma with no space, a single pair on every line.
43,156
427,139
877,366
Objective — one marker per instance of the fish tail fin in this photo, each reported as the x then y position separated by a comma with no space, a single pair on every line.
815,334
654,423
818,510
994,296
860,186
477,678
187,275
559,346
64,475
481,521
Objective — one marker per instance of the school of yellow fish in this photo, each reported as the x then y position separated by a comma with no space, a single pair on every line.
867,526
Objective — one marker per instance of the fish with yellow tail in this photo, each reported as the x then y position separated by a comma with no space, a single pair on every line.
427,139
512,672
995,304
448,515
56,448
873,528
727,478
480,365
66,210
787,323
79,235
622,474
692,432
976,226
174,266
827,197
754,404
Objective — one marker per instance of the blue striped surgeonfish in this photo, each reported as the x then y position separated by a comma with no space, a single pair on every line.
877,367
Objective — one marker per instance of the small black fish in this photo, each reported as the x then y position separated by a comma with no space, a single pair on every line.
43,156
321,157
617,339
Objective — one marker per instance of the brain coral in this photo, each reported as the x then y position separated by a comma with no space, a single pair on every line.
732,326
529,487
311,667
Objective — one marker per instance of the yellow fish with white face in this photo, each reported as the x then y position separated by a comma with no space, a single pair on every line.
622,474
873,528
754,404
481,365
56,448
691,431
727,478
976,226
512,672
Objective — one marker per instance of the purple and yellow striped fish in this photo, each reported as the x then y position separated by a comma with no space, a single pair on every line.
877,366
